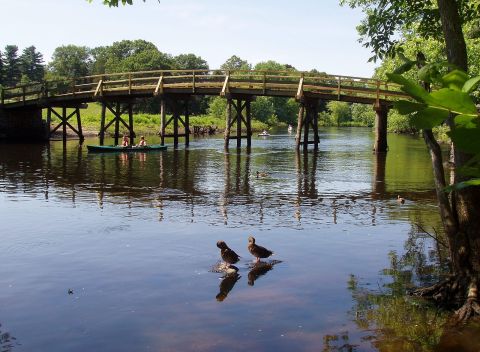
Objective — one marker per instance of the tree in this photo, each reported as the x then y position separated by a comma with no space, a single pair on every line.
339,112
363,115
1,69
262,109
31,64
12,73
461,208
236,63
70,61
189,62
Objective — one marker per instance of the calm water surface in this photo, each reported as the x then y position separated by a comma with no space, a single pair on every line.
133,236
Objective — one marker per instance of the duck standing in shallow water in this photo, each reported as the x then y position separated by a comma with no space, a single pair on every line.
228,255
258,251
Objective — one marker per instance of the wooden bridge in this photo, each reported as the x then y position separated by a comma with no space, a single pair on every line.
118,93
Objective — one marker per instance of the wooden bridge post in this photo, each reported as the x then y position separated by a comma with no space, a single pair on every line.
49,122
179,107
239,123
101,134
64,124
242,106
307,117
163,121
298,136
175,122
131,131
79,125
186,123
228,123
380,145
249,122
117,124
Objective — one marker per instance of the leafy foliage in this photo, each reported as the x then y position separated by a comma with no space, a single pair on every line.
449,102
70,61
386,22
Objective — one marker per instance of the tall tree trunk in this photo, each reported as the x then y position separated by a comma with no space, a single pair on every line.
465,203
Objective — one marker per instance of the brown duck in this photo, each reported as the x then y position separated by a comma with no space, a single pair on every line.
258,251
227,254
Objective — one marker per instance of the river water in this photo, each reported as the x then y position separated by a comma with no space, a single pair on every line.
116,252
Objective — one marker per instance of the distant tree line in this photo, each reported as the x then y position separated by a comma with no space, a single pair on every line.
16,69
139,55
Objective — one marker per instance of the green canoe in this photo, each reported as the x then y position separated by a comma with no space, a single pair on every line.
113,148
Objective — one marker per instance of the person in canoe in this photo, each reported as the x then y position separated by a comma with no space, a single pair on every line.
142,143
125,141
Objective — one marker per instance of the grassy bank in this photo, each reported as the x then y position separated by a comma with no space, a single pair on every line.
144,123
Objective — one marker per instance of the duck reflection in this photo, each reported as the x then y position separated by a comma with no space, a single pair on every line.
7,341
259,269
227,284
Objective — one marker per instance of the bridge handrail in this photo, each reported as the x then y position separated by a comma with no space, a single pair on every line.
268,79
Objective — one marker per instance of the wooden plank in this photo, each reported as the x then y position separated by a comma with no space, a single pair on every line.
159,86
225,88
299,95
99,88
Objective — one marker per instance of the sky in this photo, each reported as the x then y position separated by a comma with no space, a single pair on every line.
306,34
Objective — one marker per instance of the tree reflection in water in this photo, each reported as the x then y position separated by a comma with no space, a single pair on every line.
397,322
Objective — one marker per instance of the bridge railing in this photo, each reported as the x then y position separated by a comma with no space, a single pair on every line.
283,83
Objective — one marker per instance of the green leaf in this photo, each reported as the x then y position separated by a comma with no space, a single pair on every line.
471,84
467,121
453,100
466,139
407,66
430,117
455,79
411,88
465,184
405,107
430,74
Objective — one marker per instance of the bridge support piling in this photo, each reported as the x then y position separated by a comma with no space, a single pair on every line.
117,110
228,124
307,118
242,106
64,117
178,108
380,145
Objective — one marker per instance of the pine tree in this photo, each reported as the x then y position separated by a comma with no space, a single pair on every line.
31,64
12,66
1,68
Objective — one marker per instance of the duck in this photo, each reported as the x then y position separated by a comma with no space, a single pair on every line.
228,255
261,174
400,200
258,251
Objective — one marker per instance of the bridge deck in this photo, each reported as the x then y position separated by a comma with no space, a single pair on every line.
298,85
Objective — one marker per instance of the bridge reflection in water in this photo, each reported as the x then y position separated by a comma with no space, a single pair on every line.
207,185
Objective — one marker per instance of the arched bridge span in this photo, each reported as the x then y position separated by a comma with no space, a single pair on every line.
117,92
